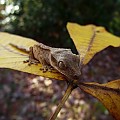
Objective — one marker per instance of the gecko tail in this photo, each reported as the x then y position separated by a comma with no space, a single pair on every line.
21,48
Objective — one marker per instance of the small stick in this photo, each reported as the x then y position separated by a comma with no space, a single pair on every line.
70,88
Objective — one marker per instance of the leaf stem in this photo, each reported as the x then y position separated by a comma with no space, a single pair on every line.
70,88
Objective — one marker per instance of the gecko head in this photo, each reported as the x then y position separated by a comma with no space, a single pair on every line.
67,64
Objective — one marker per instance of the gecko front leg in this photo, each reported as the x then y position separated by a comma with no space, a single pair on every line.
31,59
46,68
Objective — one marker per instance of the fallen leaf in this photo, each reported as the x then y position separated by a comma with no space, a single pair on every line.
12,58
108,94
91,39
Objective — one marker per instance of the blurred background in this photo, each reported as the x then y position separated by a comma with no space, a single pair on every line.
28,97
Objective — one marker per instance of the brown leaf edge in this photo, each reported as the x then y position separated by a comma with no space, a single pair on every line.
108,94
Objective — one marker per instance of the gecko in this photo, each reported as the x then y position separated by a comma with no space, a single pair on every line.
61,59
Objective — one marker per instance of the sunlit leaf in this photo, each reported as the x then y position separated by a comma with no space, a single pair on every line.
108,94
13,58
91,39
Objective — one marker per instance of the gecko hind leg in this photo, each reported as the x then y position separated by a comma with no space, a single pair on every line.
31,59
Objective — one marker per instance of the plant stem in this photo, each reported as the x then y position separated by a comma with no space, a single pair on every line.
70,87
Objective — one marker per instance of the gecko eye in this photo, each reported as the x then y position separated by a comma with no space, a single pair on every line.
61,65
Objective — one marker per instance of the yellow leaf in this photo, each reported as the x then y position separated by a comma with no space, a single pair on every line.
108,94
91,39
13,58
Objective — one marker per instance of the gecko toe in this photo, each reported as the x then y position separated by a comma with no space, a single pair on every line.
25,61
43,69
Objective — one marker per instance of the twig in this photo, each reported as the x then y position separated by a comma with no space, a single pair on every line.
70,88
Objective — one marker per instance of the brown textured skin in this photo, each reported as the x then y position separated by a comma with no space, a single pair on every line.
60,59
